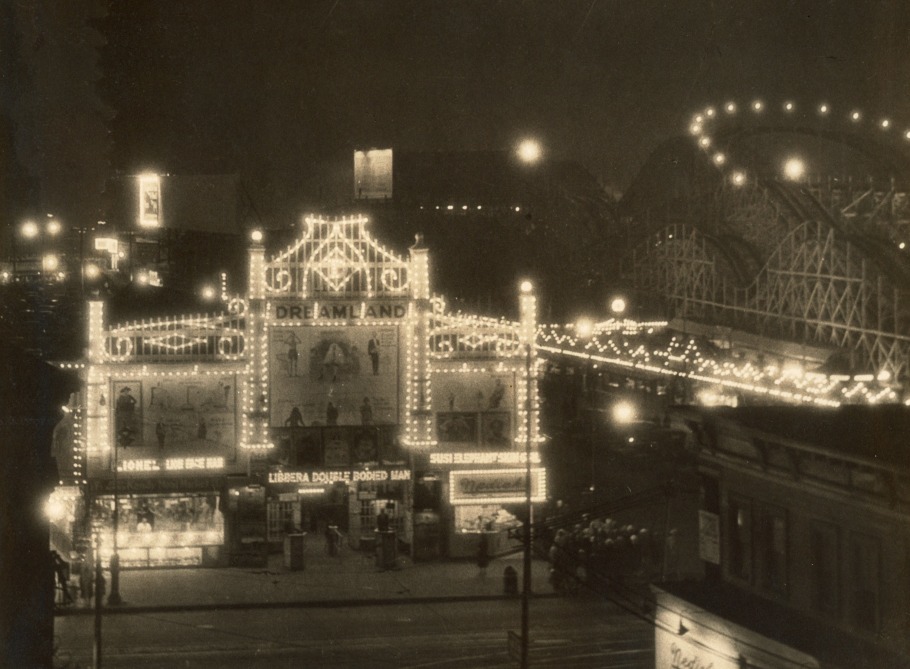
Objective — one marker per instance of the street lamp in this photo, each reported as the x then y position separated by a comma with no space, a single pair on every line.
529,151
28,230
794,169
618,306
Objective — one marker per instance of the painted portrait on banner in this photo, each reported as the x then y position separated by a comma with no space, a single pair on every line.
127,398
334,376
474,410
175,417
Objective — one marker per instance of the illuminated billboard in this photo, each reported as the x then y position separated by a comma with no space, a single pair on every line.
496,486
149,201
373,174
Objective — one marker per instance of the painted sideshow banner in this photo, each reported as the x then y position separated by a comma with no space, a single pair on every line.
127,413
337,448
334,376
176,416
474,410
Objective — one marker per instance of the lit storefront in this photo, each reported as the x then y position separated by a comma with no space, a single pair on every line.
336,389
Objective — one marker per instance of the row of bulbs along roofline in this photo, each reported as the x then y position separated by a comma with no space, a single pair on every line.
730,109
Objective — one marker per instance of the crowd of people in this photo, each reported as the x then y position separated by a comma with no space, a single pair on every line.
605,549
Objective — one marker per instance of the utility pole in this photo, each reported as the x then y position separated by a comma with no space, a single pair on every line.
99,602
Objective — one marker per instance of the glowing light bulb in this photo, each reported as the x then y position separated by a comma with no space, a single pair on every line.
794,169
855,116
788,107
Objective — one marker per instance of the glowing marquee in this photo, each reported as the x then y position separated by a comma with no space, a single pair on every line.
483,458
340,476
169,464
496,486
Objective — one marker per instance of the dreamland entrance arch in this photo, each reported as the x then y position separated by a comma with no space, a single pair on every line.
338,387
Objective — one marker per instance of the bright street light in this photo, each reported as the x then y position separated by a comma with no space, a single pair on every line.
618,306
50,263
623,412
584,327
794,169
29,230
529,151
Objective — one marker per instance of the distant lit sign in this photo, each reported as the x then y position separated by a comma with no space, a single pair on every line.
149,201
483,458
339,476
492,486
106,244
373,174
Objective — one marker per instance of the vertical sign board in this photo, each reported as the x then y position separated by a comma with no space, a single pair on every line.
709,536
373,174
149,201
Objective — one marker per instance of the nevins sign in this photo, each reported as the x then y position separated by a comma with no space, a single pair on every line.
309,311
495,485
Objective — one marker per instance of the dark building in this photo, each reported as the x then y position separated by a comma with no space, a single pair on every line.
804,531
31,394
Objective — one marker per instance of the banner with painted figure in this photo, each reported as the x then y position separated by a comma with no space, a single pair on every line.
334,376
474,410
166,417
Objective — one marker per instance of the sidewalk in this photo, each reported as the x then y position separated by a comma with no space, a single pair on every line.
349,579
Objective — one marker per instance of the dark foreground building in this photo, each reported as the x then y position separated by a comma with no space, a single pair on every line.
805,536
31,394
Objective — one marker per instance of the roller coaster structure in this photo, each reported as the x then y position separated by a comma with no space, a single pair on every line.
815,256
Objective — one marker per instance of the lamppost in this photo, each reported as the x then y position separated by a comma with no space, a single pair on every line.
584,330
527,336
99,576
114,598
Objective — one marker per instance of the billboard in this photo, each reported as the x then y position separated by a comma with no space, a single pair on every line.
328,376
149,201
474,410
373,174
168,417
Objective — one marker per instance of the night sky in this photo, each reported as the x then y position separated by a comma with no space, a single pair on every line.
282,90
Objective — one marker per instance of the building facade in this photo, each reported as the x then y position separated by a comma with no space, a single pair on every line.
337,397
805,539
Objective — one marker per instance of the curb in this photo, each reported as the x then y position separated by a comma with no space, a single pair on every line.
127,609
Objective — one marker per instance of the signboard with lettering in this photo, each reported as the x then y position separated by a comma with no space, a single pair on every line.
334,375
328,476
297,312
483,458
503,486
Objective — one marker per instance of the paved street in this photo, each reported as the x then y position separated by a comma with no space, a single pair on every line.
578,632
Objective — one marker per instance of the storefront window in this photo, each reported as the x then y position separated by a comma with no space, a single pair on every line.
483,518
740,523
160,530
